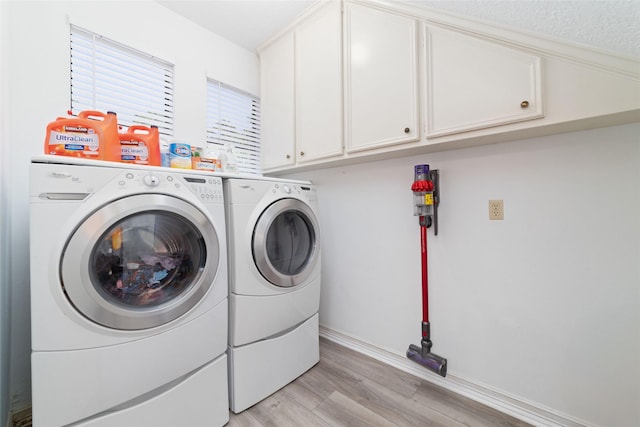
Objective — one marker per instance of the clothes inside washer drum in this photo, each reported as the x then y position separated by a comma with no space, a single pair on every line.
147,259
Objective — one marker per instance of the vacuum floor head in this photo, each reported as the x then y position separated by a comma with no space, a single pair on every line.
429,360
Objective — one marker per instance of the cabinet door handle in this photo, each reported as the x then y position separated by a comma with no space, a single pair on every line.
407,130
524,104
288,156
302,153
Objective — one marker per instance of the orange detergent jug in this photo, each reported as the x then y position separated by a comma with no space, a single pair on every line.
140,145
91,135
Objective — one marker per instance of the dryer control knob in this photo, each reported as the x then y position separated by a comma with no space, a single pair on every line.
286,189
151,180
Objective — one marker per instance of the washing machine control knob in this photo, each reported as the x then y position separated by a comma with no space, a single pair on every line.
286,189
151,180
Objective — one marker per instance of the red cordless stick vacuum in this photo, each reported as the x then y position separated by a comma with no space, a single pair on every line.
426,197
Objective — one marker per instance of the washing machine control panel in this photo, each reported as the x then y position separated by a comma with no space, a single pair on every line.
207,189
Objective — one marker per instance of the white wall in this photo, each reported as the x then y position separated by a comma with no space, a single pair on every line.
543,306
37,72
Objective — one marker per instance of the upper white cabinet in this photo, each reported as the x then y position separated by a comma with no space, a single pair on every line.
301,91
473,83
381,78
355,80
277,103
318,83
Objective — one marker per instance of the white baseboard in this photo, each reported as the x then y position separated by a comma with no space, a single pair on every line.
511,405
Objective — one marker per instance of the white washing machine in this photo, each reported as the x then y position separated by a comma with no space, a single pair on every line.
129,307
274,283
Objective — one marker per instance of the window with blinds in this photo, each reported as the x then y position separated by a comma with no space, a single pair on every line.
108,76
233,118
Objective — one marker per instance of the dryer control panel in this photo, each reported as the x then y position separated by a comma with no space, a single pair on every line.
208,189
289,189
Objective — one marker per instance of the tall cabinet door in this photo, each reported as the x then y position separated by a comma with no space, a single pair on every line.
277,103
381,78
318,82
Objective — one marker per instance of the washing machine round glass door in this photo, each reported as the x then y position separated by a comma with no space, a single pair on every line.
140,262
286,242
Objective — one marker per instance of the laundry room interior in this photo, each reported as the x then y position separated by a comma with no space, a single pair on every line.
537,313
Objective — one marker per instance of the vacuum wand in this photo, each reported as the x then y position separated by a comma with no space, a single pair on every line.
426,198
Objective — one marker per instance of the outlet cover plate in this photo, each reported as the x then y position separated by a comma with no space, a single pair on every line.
496,210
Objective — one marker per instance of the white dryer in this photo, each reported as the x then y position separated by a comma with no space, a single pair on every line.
274,281
129,307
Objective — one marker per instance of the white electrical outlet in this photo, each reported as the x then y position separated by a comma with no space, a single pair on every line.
496,210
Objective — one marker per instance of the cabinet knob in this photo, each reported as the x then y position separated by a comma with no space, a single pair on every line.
288,156
524,104
302,153
407,130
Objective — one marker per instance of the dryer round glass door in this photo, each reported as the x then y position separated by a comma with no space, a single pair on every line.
140,262
286,242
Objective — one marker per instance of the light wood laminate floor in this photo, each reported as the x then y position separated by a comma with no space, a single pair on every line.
347,388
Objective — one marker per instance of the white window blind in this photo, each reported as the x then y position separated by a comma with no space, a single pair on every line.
108,76
233,117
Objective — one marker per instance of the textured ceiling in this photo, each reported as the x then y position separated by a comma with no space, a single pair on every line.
612,25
